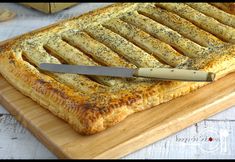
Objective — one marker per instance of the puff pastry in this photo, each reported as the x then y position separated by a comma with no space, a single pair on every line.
189,36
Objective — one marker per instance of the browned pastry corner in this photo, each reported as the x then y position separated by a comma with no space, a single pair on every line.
227,7
189,36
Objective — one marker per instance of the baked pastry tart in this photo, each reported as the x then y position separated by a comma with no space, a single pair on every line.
197,36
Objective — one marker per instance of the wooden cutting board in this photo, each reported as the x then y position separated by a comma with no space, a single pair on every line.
135,132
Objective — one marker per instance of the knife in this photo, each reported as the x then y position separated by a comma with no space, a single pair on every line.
156,73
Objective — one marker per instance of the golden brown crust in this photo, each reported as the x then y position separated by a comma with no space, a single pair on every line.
227,7
101,108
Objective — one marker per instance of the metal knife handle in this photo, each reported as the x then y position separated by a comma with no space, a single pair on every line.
175,74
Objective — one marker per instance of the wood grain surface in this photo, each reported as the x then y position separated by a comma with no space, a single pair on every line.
135,132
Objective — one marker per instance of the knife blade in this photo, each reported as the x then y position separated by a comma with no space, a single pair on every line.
156,73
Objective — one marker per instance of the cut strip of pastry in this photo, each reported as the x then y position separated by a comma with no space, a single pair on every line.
182,26
227,7
145,41
209,24
77,82
96,49
164,33
214,12
73,56
68,53
125,48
